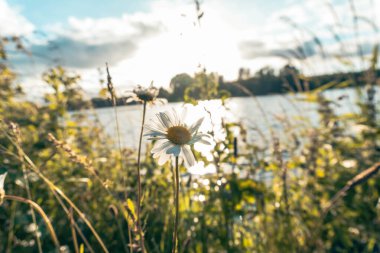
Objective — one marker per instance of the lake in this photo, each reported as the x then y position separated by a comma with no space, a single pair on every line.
246,110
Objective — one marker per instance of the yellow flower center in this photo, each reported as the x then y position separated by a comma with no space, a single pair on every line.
178,135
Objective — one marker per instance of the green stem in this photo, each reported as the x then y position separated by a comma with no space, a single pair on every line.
139,181
175,234
114,105
27,187
124,241
11,228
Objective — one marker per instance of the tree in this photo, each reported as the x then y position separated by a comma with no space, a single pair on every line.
178,85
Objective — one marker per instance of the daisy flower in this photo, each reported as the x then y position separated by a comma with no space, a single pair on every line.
174,137
145,95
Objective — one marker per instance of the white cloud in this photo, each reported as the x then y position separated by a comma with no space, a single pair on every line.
12,22
105,30
166,40
312,20
178,46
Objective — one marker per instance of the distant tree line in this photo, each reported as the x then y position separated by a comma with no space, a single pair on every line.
266,81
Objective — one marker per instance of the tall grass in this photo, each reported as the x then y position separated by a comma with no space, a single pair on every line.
307,188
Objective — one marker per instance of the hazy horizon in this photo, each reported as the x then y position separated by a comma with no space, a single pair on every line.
154,40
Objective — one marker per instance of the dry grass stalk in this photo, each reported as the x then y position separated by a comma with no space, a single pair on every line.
16,134
357,180
57,191
41,212
74,157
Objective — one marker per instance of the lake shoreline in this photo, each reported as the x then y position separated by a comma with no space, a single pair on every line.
121,101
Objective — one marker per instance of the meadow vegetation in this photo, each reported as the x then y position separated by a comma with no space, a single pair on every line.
304,188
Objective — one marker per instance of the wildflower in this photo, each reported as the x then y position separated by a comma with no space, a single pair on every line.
174,137
145,95
2,192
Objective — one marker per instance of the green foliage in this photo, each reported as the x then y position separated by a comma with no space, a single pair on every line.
204,87
178,86
264,197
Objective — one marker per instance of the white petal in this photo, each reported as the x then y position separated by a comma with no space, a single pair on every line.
156,138
184,114
189,156
161,156
156,123
205,142
171,117
175,150
161,145
156,145
130,99
175,118
154,133
155,155
194,140
205,139
160,101
154,128
165,120
194,128
163,159
162,152
202,138
155,92
180,120
2,179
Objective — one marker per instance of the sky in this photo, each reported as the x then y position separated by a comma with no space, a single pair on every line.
153,40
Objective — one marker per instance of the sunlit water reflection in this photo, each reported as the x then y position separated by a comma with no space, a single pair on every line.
275,109
244,109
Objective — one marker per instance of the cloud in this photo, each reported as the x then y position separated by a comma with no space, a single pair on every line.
12,22
165,39
307,34
257,49
77,54
89,43
97,31
307,49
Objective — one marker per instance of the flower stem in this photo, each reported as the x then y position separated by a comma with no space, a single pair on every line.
27,187
175,234
139,181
